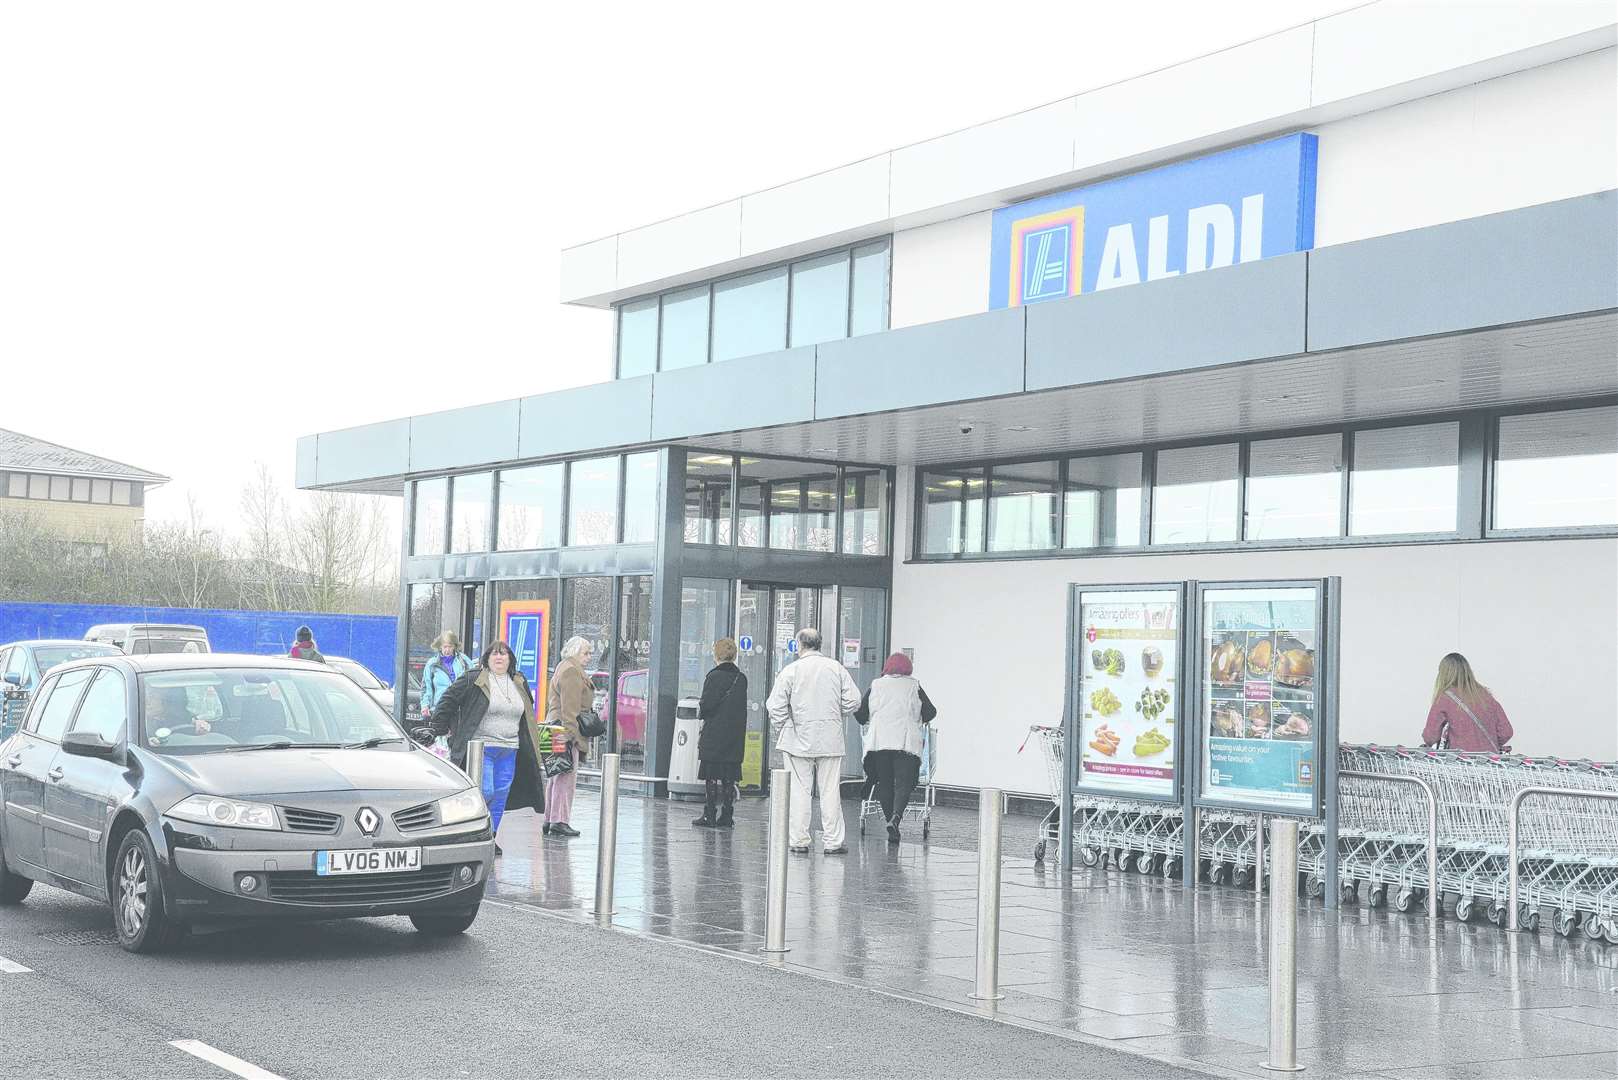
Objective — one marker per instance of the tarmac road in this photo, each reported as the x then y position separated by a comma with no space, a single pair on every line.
521,994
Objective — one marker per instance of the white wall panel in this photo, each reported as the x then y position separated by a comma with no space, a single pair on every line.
1540,135
1399,41
832,202
1538,619
703,238
941,271
999,154
1225,91
589,269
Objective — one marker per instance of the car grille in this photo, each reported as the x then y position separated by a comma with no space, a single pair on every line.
417,817
310,821
307,887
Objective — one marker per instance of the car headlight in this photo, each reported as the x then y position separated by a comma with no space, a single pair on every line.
466,806
211,810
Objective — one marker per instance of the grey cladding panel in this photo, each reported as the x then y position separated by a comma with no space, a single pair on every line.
1541,262
587,418
1252,311
755,391
478,435
304,474
959,360
362,453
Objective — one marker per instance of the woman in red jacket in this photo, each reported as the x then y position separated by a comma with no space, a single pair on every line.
1464,715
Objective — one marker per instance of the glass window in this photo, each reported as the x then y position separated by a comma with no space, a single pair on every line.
17,485
640,498
121,495
801,501
952,512
707,498
637,338
704,619
426,623
471,506
535,650
1295,487
61,488
684,329
1022,506
432,498
39,487
1103,501
750,314
105,707
58,708
531,507
587,613
81,489
865,511
1404,480
869,303
1194,499
631,706
1557,470
592,501
820,299
101,491
750,498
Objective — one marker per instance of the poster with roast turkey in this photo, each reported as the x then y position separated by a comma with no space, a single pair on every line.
1128,667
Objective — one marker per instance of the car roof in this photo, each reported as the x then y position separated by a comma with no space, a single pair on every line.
200,661
66,641
179,628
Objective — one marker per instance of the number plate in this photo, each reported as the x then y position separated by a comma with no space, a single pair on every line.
368,861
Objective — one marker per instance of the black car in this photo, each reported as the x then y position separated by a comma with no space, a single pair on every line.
195,789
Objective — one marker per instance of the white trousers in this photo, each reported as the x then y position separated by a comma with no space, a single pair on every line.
827,772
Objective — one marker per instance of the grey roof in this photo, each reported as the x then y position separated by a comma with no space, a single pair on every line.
24,453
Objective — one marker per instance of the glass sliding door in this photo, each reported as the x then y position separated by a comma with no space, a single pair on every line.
861,647
752,646
633,673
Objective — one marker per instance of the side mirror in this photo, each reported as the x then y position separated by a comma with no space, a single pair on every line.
12,677
89,744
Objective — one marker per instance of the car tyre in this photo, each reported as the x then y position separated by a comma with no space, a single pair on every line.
444,925
14,888
136,890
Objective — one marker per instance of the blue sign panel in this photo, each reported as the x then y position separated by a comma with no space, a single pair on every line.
745,644
1233,207
524,631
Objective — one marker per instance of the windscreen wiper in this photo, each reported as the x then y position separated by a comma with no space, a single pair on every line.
373,742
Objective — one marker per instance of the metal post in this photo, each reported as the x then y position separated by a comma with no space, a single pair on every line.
607,836
1258,858
474,762
1283,946
1512,838
775,896
991,805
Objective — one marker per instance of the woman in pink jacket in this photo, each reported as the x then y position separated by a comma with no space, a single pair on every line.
1464,714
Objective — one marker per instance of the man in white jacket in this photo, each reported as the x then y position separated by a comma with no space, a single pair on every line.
812,697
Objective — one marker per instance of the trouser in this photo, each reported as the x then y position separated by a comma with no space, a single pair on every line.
499,768
827,773
559,792
896,776
717,793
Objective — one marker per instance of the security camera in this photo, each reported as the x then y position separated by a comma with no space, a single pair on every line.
966,427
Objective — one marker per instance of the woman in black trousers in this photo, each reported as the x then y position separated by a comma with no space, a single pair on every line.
723,712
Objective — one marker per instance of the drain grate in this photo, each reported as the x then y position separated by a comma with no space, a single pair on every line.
82,937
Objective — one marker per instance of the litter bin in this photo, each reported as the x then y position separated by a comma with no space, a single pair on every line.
683,782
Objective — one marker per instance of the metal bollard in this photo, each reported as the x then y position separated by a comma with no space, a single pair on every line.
1258,858
607,836
1283,946
775,896
474,762
991,805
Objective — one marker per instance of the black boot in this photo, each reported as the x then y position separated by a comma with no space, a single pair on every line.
706,821
727,812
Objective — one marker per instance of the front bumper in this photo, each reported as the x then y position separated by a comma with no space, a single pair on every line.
205,885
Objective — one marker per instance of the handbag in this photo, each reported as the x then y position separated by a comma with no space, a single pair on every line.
556,765
591,726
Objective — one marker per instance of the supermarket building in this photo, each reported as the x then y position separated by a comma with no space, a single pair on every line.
1339,302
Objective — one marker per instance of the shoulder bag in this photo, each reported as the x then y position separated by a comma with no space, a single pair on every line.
1488,736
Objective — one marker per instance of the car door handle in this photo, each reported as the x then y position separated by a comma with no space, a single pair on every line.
55,774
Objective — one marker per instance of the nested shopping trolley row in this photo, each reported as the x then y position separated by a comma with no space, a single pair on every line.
1399,812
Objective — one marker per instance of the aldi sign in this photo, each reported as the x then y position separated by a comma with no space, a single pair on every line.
1240,205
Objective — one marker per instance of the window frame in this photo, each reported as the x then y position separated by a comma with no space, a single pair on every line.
1490,489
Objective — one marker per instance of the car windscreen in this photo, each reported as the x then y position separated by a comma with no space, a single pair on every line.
49,656
208,710
359,673
146,645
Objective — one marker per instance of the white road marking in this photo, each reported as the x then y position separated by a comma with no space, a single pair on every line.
246,1070
11,967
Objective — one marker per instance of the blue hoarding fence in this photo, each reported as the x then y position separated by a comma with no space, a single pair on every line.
370,639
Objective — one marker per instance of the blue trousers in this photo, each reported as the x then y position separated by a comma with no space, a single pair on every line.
499,769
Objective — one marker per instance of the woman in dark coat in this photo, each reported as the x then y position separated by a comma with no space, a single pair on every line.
512,777
723,712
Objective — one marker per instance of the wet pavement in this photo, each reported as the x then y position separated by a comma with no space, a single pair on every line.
1130,962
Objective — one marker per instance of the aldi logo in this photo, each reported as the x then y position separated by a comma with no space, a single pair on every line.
1047,251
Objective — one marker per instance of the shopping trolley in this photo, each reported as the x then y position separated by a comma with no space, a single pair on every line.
871,807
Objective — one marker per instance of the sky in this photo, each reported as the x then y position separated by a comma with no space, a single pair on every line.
224,225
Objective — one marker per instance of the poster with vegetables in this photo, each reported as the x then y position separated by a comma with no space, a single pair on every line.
1259,705
1128,669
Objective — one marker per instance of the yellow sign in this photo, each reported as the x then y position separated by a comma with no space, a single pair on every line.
753,760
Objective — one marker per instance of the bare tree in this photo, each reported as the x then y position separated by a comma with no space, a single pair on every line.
266,578
338,543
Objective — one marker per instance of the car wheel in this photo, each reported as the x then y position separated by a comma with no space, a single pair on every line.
444,925
13,887
137,898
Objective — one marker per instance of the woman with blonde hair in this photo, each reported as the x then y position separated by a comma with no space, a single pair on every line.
720,747
571,692
1464,714
439,674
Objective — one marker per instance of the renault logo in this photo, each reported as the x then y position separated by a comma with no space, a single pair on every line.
369,820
